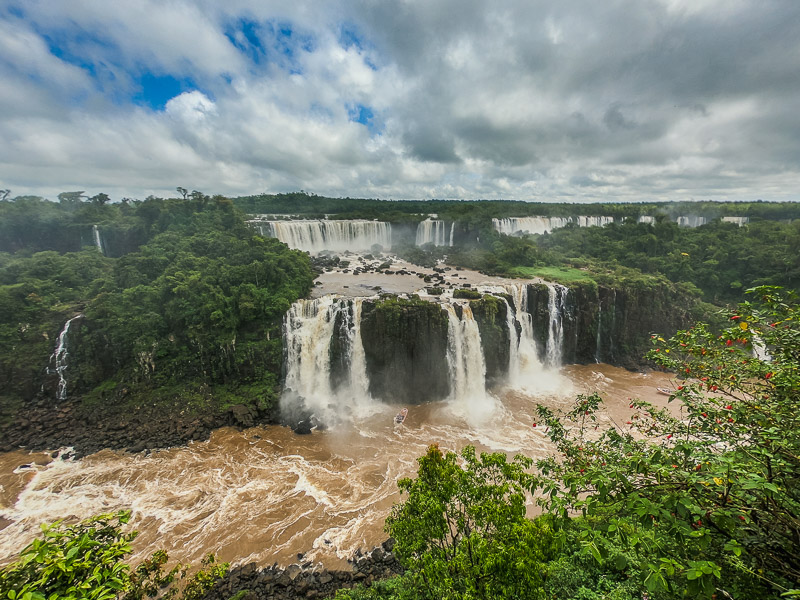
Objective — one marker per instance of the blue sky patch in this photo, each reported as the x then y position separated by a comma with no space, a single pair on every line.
349,37
155,91
271,42
358,113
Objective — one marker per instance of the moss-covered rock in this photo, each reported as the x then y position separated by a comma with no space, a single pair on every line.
490,314
466,294
405,346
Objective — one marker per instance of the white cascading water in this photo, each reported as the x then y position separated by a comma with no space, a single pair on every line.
98,241
599,324
531,225
760,350
740,221
528,362
308,331
358,380
59,359
467,366
433,231
318,235
646,219
557,295
691,221
452,232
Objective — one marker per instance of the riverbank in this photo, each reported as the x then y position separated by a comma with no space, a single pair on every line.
44,426
304,579
263,494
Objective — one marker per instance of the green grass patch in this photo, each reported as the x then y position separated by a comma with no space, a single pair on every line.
559,274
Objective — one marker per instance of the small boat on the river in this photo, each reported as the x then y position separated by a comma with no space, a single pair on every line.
401,416
665,391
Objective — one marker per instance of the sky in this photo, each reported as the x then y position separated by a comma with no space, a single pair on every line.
580,101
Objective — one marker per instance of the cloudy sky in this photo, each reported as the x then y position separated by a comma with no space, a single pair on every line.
529,99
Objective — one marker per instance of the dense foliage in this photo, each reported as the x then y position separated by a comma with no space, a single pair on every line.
462,532
720,260
85,561
706,499
200,304
700,500
482,211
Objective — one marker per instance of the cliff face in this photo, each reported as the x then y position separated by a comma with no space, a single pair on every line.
405,347
609,324
490,314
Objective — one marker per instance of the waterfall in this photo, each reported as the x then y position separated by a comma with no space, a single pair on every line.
599,324
760,349
593,221
466,364
318,235
357,374
691,221
98,241
309,328
528,361
59,359
432,231
452,232
612,330
557,295
646,219
531,225
740,221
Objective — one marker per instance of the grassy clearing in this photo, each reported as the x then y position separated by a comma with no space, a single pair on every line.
560,274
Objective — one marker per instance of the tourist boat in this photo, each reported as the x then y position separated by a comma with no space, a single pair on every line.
401,416
665,391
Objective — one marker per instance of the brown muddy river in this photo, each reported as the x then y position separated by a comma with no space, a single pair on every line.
266,494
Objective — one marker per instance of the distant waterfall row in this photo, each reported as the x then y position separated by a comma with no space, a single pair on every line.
323,234
329,372
433,231
531,225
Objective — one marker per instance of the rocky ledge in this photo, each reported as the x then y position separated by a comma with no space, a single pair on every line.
43,426
303,579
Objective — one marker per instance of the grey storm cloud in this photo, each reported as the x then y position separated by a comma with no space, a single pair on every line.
580,101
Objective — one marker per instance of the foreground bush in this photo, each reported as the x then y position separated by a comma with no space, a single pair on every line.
707,502
462,531
84,561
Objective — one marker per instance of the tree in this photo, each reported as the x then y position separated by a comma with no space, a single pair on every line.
72,561
182,191
707,499
84,561
462,531
100,199
71,198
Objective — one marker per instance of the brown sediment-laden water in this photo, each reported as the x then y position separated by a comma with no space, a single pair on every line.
267,494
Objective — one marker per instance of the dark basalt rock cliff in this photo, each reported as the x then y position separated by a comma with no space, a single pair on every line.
490,314
405,346
625,317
